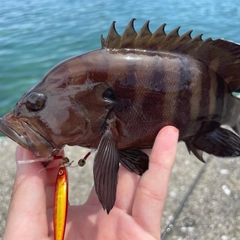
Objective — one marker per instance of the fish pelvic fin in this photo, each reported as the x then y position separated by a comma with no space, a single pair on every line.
222,56
134,160
105,170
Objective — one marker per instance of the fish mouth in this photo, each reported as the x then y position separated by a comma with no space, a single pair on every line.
21,133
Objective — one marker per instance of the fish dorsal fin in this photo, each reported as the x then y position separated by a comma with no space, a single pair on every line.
147,40
113,38
128,37
143,36
223,57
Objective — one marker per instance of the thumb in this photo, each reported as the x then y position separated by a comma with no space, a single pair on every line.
27,211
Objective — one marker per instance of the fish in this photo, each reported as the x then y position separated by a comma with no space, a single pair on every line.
117,98
60,201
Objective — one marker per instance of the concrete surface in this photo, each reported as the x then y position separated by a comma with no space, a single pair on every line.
212,210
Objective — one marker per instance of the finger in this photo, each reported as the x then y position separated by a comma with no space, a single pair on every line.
93,198
152,189
126,189
27,211
127,184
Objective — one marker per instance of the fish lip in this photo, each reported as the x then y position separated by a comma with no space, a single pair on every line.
41,149
11,133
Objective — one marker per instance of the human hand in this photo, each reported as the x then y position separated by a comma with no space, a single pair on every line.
136,215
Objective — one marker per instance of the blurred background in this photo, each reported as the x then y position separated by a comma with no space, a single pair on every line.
36,35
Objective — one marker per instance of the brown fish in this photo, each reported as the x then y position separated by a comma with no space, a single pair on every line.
117,98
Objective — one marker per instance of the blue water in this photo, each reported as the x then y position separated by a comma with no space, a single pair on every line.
35,35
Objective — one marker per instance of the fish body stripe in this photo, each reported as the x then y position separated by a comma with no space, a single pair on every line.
182,111
155,98
213,95
220,96
204,100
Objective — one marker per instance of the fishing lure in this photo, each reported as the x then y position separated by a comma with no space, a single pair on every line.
61,201
61,197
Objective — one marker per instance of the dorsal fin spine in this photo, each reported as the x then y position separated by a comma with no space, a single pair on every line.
173,33
143,36
129,35
103,42
226,54
113,37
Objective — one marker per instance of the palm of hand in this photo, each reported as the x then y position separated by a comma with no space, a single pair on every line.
125,220
136,215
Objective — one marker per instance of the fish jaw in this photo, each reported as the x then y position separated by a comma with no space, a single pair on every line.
21,132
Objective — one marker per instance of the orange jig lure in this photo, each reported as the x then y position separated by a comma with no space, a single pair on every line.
60,202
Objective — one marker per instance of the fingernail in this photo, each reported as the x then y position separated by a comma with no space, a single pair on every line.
173,130
170,130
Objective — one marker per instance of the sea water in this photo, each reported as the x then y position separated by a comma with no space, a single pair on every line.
36,35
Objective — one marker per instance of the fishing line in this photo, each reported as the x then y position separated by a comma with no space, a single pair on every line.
66,161
33,160
170,225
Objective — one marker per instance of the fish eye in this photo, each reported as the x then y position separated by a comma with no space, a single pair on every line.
109,95
35,101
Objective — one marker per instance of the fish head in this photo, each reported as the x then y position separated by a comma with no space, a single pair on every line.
69,106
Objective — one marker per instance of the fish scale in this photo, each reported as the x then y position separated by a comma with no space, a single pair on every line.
117,98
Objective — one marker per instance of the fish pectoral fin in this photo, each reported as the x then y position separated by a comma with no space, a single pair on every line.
197,152
134,160
219,142
105,170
